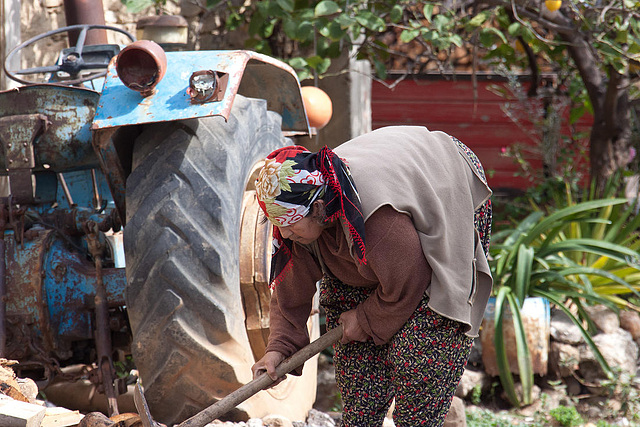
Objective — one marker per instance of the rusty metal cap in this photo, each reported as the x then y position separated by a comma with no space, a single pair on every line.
141,65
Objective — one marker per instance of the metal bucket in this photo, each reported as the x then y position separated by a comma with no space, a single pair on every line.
536,318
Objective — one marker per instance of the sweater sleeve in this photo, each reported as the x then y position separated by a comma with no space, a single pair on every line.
291,304
397,259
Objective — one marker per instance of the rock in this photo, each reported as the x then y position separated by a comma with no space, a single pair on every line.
456,417
327,396
276,421
470,380
606,320
535,392
319,419
190,9
564,330
564,359
619,351
96,419
28,388
630,322
574,388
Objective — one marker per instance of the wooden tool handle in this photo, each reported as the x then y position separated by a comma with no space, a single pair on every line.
226,404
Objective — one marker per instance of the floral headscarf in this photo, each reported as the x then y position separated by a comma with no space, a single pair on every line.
291,179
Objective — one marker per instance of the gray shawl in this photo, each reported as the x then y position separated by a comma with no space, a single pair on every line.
425,175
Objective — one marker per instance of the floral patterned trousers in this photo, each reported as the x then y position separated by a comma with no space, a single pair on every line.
420,366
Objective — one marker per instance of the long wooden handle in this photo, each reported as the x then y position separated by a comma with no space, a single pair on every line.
229,402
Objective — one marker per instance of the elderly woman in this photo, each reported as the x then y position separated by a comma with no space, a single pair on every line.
396,224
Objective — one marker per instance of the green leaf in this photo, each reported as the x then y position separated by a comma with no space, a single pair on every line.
523,272
370,21
456,40
381,69
441,23
297,63
137,6
267,29
256,24
326,7
428,11
430,35
506,378
525,367
319,64
396,14
287,5
333,31
305,31
407,35
567,212
488,34
290,28
514,29
478,20
344,20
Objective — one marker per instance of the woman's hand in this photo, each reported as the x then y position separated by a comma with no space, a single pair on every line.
268,364
352,330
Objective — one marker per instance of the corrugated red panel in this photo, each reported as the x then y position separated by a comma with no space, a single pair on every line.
477,119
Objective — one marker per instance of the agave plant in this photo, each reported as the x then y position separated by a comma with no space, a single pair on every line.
584,253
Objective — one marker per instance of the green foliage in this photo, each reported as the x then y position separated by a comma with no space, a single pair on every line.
310,34
566,416
137,6
476,394
486,418
580,254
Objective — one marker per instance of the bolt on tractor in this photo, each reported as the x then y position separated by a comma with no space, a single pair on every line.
129,229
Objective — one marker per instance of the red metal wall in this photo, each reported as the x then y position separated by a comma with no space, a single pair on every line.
450,106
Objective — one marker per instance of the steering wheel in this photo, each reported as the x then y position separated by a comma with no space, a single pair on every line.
72,63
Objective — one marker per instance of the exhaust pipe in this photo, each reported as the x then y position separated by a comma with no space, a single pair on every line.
89,12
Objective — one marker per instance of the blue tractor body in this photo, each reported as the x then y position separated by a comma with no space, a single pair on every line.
67,155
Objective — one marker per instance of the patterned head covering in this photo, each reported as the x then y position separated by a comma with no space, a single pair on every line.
291,179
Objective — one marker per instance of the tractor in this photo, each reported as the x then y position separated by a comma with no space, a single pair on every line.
129,229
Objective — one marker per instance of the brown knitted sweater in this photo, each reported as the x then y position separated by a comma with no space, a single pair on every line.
396,268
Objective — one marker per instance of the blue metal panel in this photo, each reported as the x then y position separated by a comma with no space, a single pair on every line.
271,80
81,188
70,286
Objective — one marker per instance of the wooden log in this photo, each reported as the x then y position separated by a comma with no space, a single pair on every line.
14,413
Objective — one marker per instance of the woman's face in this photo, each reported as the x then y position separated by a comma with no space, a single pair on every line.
305,231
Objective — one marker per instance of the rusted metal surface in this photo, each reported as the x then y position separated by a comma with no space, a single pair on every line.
50,291
17,134
66,144
86,12
102,329
255,258
250,74
3,286
111,166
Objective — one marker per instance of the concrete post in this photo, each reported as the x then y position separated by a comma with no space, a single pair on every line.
10,37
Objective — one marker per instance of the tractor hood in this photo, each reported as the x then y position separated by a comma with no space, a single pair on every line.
249,74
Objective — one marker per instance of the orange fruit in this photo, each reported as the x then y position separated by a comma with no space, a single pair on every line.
318,105
553,5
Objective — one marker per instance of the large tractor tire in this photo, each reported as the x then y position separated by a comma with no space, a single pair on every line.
196,333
